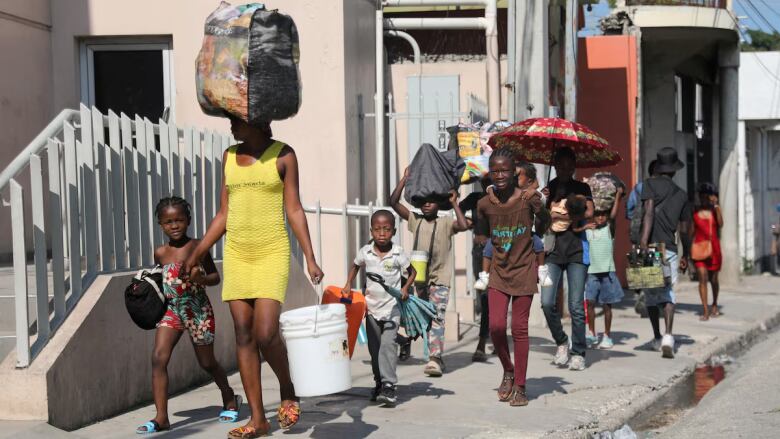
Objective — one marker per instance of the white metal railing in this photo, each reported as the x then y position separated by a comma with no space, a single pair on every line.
92,206
354,224
90,183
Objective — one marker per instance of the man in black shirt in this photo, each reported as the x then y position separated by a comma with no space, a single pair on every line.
666,212
570,253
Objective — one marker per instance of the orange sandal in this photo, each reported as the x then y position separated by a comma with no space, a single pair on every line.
289,414
249,432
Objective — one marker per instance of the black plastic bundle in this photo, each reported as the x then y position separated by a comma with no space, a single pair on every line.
248,64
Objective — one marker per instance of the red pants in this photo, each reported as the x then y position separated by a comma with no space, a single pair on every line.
498,303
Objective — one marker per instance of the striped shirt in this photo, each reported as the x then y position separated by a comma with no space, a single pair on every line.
601,258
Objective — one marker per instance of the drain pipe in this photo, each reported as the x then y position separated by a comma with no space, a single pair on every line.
410,39
488,23
379,108
491,44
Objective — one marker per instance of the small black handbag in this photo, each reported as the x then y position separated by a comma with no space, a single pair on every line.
144,298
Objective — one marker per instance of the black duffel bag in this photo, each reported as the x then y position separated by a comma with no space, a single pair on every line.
144,298
432,175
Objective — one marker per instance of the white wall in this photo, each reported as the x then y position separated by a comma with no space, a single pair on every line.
25,85
759,107
337,66
759,85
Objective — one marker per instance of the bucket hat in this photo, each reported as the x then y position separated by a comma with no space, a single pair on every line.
667,161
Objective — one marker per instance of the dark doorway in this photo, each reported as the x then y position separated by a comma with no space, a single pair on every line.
130,81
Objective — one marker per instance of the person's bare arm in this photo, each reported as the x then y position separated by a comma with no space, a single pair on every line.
618,195
686,236
481,232
208,276
353,272
557,216
647,223
216,228
395,198
461,225
541,217
411,273
613,214
589,209
716,208
295,214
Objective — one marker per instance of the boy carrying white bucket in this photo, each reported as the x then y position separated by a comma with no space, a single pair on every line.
384,316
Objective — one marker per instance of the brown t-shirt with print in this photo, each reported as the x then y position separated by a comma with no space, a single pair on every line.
514,268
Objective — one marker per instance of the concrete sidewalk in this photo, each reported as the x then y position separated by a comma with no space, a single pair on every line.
617,385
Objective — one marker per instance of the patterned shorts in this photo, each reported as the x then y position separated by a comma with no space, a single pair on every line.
189,308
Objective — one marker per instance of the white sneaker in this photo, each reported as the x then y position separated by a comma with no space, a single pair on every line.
482,282
544,277
667,346
562,355
577,362
655,344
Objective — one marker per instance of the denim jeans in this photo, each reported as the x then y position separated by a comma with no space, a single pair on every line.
577,275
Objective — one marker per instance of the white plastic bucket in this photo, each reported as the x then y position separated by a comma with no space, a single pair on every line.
419,260
318,354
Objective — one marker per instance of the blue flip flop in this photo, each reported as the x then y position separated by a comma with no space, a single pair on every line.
227,416
151,427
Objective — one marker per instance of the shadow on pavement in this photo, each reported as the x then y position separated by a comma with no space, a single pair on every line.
620,337
210,413
593,356
538,387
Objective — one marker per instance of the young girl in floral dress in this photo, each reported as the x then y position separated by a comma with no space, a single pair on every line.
189,309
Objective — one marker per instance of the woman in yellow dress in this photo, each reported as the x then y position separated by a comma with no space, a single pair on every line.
259,187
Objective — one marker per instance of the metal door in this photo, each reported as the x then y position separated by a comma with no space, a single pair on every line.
434,104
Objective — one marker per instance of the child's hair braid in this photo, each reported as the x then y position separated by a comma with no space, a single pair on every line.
173,201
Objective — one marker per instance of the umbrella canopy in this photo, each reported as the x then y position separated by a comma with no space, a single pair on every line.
535,140
417,315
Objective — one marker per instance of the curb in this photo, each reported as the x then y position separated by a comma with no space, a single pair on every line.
656,395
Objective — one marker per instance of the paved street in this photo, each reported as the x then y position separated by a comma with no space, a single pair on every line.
617,384
744,405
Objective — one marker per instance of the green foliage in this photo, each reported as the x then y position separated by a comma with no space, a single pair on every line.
761,41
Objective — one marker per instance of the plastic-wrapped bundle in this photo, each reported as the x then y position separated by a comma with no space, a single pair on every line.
604,186
248,64
432,175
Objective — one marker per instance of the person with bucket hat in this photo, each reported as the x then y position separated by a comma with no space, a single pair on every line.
666,212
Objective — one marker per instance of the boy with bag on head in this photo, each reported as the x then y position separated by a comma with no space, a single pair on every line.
433,234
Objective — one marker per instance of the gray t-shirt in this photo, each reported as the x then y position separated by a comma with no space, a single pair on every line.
380,304
440,264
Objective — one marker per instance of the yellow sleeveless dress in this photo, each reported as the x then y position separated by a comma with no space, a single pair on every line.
257,249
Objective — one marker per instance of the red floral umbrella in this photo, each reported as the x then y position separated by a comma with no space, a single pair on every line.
535,140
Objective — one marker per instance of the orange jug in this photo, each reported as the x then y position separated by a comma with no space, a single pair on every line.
356,310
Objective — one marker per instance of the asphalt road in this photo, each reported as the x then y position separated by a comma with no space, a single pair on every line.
744,405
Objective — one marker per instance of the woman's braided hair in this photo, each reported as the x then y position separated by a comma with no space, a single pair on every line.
173,201
503,153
